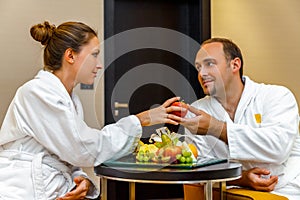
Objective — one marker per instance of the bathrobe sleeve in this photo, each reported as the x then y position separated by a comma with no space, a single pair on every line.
50,118
267,128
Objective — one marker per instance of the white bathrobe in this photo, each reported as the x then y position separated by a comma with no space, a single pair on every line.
43,136
264,132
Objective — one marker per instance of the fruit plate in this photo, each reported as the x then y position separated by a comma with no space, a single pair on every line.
130,161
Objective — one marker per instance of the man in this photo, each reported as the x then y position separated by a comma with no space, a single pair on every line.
255,124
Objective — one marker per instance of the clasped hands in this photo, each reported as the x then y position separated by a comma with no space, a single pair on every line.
255,179
82,187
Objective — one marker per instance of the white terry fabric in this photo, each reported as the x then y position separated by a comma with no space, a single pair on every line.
43,123
267,144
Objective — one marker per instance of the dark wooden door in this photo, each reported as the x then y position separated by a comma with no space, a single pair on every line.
150,47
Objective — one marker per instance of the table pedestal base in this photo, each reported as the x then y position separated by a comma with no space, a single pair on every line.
208,189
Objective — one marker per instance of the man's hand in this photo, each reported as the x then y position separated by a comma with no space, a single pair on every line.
81,190
198,124
205,124
255,179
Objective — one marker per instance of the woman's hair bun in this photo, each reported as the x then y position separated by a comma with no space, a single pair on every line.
42,32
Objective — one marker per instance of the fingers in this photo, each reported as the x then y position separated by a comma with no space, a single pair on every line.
75,194
78,180
267,184
171,121
194,110
171,109
260,171
163,114
168,102
172,118
79,192
261,180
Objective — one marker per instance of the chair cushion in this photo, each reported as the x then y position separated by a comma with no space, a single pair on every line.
239,193
195,191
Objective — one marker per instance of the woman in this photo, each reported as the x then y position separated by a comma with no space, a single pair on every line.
43,135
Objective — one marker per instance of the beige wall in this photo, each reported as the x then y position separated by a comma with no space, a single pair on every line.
21,56
268,32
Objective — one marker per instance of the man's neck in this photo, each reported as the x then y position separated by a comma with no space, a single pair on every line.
231,99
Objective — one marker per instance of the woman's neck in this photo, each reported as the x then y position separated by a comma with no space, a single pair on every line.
67,80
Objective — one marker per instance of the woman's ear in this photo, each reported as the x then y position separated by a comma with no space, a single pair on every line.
69,55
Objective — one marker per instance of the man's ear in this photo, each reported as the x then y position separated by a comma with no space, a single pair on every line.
69,55
235,64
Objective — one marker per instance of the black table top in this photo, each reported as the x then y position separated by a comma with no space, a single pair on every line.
140,173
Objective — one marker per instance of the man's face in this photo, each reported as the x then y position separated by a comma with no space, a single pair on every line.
212,69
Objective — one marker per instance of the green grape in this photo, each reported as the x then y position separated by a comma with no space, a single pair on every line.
140,158
141,153
178,156
146,158
189,159
147,152
186,153
182,159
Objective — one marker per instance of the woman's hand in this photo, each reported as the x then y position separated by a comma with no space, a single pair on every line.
161,114
81,190
255,178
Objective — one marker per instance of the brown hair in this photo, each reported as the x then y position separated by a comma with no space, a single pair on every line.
231,50
56,40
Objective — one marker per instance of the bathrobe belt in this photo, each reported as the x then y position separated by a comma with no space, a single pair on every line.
37,160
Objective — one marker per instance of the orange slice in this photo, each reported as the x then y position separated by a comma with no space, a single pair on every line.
194,150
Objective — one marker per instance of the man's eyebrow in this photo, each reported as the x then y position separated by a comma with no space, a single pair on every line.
205,61
208,59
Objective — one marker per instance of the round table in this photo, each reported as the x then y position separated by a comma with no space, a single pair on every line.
221,173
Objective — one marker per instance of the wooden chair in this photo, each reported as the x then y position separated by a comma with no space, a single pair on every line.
194,192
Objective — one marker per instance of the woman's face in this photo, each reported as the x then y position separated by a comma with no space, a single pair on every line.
88,62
